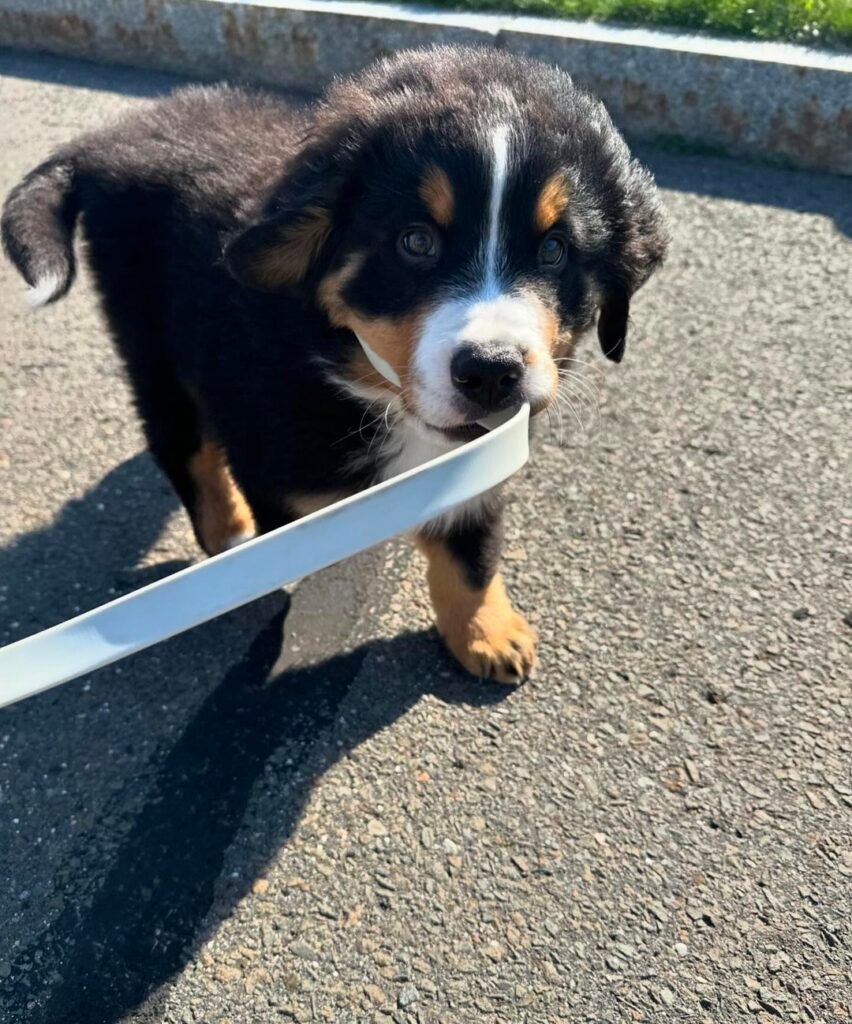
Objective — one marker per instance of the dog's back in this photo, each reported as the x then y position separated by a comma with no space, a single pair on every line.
156,195
201,156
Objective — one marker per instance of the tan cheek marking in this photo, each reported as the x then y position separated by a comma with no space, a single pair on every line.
221,512
436,191
566,345
330,289
393,339
288,261
551,328
552,202
359,370
480,627
534,358
544,356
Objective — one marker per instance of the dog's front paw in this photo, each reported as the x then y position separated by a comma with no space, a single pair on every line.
495,642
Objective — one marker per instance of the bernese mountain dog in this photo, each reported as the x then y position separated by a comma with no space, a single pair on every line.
312,299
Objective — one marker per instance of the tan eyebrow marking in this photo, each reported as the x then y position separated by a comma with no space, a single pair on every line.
552,201
436,191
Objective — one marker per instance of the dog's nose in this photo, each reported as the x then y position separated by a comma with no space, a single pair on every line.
490,377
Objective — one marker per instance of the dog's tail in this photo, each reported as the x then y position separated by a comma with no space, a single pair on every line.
37,227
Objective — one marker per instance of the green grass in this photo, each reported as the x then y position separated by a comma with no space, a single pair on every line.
812,22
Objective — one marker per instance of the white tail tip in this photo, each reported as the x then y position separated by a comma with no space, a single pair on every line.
45,290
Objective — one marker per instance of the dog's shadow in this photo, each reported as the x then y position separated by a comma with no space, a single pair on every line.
89,553
103,957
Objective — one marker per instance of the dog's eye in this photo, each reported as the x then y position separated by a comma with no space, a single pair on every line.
418,244
551,252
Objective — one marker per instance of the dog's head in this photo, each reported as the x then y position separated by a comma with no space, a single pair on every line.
467,215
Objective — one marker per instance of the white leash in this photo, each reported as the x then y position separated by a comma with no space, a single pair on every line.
260,566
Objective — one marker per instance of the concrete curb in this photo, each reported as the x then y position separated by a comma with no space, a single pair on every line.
769,101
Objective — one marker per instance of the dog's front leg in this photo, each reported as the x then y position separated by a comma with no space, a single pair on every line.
473,612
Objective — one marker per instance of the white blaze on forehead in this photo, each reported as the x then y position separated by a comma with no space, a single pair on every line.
484,310
500,140
514,320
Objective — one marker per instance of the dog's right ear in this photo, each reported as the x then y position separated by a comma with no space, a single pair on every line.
280,249
612,323
639,247
278,252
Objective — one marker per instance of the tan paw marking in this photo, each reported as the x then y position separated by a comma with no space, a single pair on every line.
480,627
495,643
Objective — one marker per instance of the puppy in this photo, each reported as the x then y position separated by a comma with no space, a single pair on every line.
308,301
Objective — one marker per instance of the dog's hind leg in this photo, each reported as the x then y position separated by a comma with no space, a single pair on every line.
128,251
220,515
195,465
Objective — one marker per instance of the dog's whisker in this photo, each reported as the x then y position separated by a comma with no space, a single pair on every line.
387,411
586,371
576,415
554,411
589,381
389,431
564,398
570,390
361,426
580,362
581,385
387,428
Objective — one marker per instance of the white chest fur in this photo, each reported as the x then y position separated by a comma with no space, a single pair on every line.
406,447
402,444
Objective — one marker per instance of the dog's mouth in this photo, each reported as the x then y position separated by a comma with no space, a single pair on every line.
466,432
475,428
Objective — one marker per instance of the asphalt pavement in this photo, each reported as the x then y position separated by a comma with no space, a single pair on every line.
341,827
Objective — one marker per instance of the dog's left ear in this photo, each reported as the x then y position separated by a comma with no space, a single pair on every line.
612,322
639,247
288,240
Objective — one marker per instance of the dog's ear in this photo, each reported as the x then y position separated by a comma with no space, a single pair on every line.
612,322
639,247
279,251
282,247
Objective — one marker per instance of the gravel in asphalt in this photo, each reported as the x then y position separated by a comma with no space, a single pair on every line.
658,827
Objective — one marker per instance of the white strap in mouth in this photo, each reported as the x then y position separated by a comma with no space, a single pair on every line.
203,591
392,377
382,365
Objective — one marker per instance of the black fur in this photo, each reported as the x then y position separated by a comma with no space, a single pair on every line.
476,547
38,225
